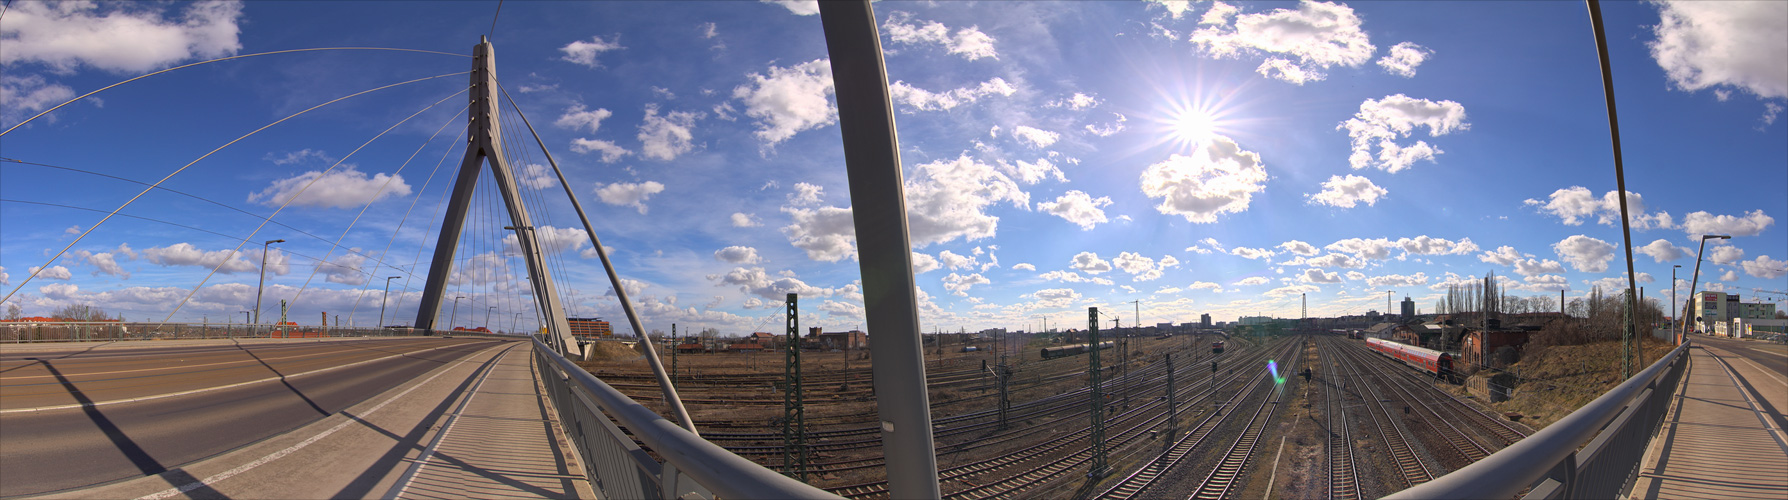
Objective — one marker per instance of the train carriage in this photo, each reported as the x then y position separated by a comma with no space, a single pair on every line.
1429,361
1070,350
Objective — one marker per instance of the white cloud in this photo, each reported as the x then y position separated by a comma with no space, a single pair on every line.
577,117
551,240
947,199
1375,249
1035,137
1724,45
1319,276
185,254
1319,35
1584,253
1726,254
1249,281
1379,123
1333,260
665,137
925,100
1575,204
1219,13
343,188
954,261
1533,267
1110,129
790,100
1032,173
1054,298
1403,59
5,279
738,255
1397,280
799,7
1175,8
53,273
826,233
628,194
1752,223
1424,245
1765,267
1663,250
838,309
970,42
1542,283
1345,192
1356,275
584,53
538,176
1298,247
1089,263
806,194
345,269
1203,285
959,285
1023,266
1079,208
741,219
1077,102
22,96
610,151
1218,178
1502,256
1251,253
924,263
1286,291
1143,268
755,281
1731,275
117,37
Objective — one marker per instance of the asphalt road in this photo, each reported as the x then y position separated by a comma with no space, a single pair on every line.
1773,357
58,449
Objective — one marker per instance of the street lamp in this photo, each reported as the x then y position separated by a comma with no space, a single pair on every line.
245,317
263,282
455,312
382,300
1695,279
1673,285
514,321
487,316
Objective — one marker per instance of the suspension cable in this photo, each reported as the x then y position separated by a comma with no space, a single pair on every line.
400,223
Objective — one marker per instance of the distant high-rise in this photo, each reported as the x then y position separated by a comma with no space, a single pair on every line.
1204,321
1409,307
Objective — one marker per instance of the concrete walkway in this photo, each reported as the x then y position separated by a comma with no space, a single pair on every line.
1723,437
477,428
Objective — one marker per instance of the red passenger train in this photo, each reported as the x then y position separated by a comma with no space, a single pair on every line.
1429,361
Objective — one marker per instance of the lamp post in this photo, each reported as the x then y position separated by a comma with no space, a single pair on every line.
1387,300
1695,279
455,312
263,282
1673,269
382,300
1045,321
487,316
513,322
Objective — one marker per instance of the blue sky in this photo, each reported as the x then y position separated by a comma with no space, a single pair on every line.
1199,157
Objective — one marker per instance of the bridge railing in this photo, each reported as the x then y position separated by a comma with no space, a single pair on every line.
589,410
1594,452
12,332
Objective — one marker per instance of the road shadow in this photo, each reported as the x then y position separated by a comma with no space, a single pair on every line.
288,384
129,447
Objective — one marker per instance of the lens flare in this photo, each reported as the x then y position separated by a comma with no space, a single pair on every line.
1273,368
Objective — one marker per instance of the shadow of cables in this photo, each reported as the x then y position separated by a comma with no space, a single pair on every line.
137,456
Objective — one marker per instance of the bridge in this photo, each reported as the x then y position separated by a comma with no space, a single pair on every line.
161,409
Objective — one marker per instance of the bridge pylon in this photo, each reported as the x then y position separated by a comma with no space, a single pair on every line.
484,144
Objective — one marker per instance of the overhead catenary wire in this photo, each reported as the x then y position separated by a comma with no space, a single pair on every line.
183,168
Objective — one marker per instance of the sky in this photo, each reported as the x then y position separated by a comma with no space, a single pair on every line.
1160,159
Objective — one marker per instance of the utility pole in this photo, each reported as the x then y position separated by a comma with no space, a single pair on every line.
382,298
263,283
1099,468
674,348
794,416
1173,415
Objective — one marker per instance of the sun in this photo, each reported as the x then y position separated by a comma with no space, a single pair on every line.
1194,126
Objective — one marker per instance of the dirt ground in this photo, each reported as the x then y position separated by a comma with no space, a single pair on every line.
1557,380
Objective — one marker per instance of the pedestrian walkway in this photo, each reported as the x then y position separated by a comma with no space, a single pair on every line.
1723,437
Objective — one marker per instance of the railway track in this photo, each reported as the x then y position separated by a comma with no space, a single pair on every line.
1408,464
1344,478
1222,480
1468,449
1133,485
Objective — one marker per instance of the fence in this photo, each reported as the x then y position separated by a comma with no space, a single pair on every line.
116,331
1592,453
594,416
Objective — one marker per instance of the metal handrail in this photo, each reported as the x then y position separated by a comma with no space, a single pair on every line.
725,474
1531,461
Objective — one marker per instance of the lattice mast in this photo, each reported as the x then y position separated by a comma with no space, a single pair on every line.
794,412
484,143
1099,468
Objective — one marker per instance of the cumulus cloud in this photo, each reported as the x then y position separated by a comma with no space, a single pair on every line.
959,285
610,151
1725,254
1174,8
806,194
1298,247
1403,59
970,42
755,281
741,219
1534,267
53,273
538,176
1333,260
551,240
1752,223
1251,253
1023,266
1054,298
954,261
1724,45
1300,45
22,96
1663,250
798,7
1502,256
1584,253
577,117
185,254
1345,192
1143,268
737,255
584,53
1077,102
1425,245
947,199
1035,137
924,263
1379,123
1765,267
628,194
1249,281
1079,208
1576,204
1219,177
345,269
665,137
1108,129
1375,249
1206,285
117,37
1032,173
1318,276
826,233
790,100
342,188
1286,291
1397,280
1089,263
925,100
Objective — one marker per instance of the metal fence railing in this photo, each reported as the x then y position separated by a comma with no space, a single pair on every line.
1594,452
116,331
594,415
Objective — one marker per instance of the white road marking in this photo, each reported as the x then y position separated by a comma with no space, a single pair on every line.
208,389
214,479
9,379
403,483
